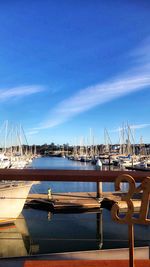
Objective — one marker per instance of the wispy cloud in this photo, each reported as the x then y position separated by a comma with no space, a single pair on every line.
94,96
141,54
135,79
32,132
134,126
140,126
19,91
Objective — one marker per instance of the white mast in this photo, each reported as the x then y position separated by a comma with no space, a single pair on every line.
6,131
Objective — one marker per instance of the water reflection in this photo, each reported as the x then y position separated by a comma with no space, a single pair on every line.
14,239
41,232
99,228
82,231
60,187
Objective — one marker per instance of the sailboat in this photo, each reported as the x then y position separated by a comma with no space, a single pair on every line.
5,162
13,194
12,199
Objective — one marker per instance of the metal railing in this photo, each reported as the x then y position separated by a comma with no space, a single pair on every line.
96,176
68,175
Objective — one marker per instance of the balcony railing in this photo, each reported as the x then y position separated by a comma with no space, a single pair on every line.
68,175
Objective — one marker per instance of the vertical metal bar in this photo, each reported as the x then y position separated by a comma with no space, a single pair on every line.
99,190
131,244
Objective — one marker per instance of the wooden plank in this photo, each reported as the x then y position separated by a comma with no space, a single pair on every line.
64,201
82,200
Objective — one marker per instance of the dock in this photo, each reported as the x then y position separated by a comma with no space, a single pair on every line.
64,202
79,202
134,168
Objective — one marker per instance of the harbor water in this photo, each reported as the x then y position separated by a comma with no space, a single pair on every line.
59,163
42,232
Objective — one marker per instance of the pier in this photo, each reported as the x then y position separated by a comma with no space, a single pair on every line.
79,202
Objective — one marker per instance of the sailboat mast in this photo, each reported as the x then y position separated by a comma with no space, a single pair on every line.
6,131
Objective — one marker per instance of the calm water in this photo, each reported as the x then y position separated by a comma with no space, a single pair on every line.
41,232
64,163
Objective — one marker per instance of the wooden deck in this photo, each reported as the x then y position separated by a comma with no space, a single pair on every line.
78,201
64,202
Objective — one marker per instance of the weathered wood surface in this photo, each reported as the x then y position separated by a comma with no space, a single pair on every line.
77,200
64,201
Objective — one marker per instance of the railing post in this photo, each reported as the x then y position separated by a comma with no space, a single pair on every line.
131,244
99,190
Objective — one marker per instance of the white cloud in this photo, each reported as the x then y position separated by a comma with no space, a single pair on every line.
94,96
134,80
19,91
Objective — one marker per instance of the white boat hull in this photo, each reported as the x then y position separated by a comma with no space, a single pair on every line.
12,200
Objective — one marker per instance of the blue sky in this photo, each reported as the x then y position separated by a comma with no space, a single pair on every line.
70,66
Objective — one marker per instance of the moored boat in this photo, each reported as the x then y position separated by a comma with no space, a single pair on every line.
12,199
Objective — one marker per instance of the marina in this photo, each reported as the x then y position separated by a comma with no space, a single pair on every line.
74,133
